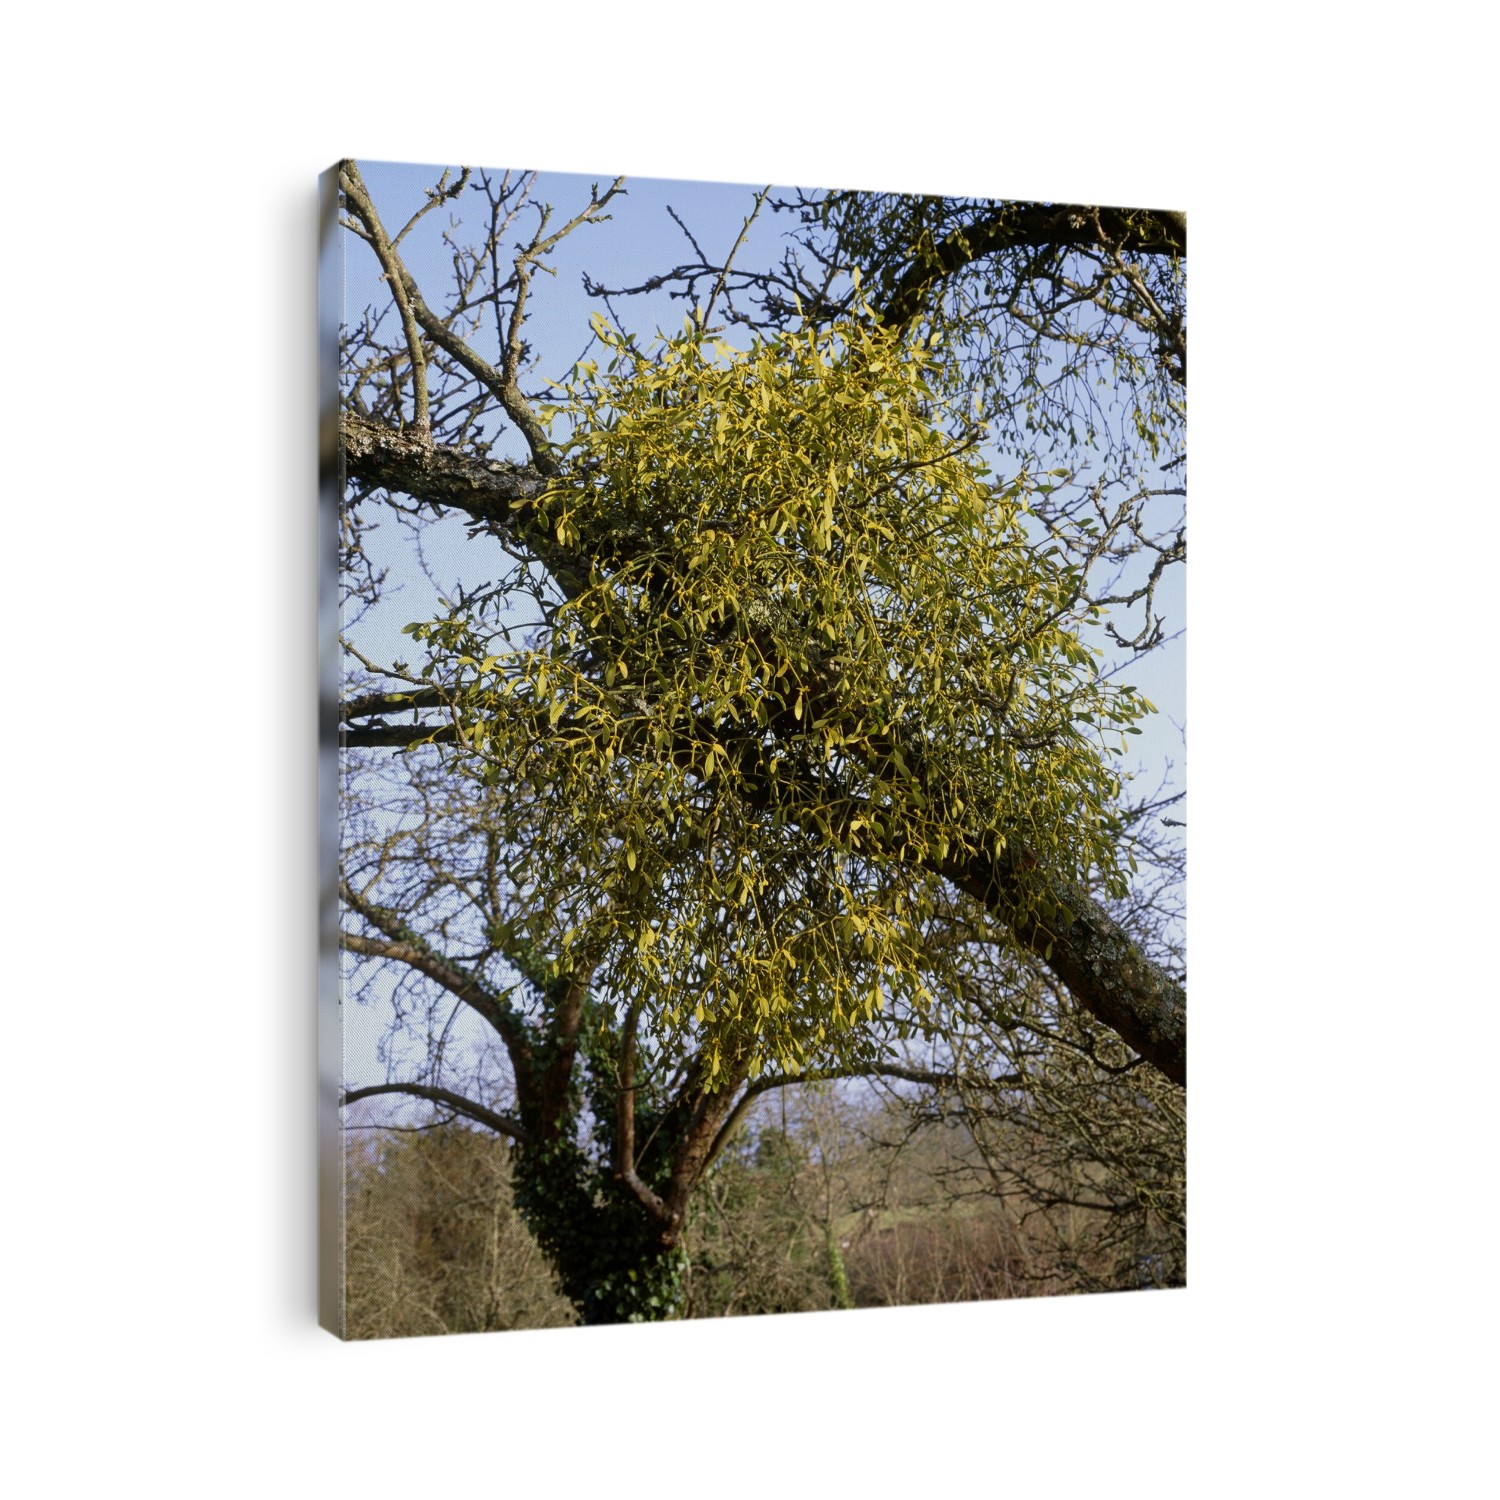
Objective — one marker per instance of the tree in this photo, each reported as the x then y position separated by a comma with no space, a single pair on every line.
782,714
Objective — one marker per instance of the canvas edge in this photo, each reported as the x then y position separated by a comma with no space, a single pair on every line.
331,1305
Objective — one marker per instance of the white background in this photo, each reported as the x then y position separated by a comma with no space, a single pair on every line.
159,587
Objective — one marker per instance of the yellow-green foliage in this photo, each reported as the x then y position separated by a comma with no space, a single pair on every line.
809,658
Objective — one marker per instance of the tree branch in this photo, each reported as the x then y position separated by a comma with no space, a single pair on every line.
625,1125
1019,225
372,705
403,945
713,296
516,405
1087,949
501,1124
399,283
484,488
397,736
377,705
557,1072
502,383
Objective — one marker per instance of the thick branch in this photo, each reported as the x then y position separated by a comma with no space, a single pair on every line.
486,489
1033,225
397,736
625,1126
372,705
702,1139
375,706
1090,952
557,1074
501,1124
440,475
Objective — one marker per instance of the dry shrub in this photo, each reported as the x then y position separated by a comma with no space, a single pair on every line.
434,1243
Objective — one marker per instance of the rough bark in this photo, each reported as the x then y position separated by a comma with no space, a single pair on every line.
1089,951
378,455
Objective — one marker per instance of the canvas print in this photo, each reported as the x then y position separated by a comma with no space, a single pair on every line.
753,762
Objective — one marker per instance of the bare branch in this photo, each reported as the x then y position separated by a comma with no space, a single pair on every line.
402,945
1018,225
396,278
444,192
501,1124
516,406
750,218
502,384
